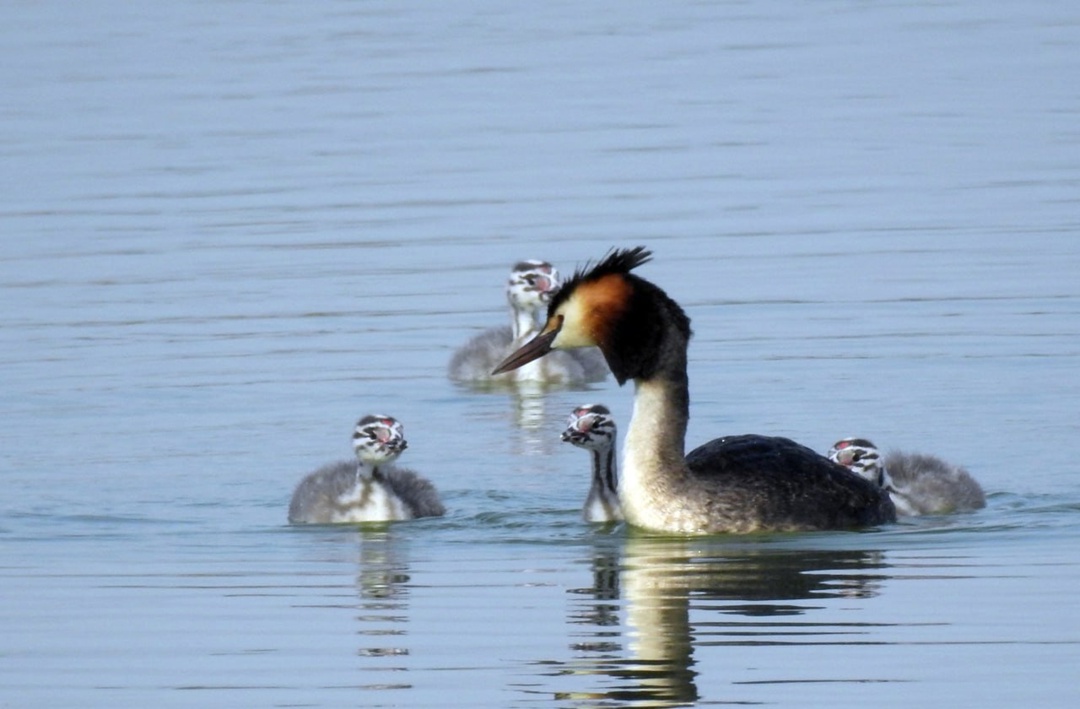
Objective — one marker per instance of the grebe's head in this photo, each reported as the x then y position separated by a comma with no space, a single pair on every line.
378,439
861,457
590,427
607,306
531,285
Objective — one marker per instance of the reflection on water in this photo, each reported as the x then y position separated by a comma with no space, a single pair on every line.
383,607
603,609
531,419
528,406
671,591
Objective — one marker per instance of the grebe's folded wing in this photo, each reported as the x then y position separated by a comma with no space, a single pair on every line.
774,460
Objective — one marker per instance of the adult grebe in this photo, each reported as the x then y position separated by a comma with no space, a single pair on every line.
371,490
732,484
531,285
591,427
918,484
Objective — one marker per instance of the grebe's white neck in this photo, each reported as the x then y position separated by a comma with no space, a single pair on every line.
370,499
654,466
369,471
524,325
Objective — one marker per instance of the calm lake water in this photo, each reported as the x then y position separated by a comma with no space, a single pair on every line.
229,229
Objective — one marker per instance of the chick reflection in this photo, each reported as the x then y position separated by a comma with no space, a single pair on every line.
673,591
603,609
382,585
533,436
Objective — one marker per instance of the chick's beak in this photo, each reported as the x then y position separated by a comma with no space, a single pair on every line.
533,349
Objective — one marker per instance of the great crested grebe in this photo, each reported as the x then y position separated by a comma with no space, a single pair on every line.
531,285
369,490
591,427
918,484
731,484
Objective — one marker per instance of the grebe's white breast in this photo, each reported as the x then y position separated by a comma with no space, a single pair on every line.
369,501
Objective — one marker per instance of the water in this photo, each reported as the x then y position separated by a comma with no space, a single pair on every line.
231,228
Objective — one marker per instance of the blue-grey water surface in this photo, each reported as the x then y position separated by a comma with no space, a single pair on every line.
231,228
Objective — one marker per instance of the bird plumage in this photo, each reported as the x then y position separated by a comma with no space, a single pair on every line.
733,484
370,489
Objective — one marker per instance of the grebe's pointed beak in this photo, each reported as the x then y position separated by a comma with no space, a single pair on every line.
533,349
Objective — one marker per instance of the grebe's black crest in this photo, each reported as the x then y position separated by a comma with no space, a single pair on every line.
617,261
